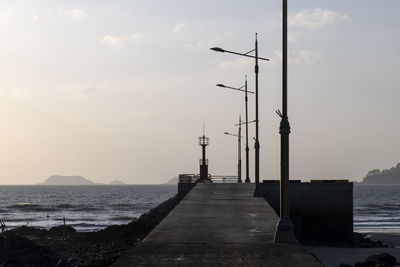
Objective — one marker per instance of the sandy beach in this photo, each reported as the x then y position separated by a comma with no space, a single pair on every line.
334,256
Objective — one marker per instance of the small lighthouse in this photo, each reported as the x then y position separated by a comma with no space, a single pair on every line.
203,142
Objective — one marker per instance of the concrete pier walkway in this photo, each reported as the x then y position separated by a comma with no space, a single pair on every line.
217,224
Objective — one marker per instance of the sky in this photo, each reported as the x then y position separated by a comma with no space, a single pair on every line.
120,89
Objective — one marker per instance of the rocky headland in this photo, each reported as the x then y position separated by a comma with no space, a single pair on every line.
387,176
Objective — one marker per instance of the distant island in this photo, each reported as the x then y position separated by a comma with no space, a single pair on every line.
74,180
174,180
387,176
67,180
117,182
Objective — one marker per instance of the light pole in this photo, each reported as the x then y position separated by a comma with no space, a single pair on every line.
257,143
284,229
247,180
239,136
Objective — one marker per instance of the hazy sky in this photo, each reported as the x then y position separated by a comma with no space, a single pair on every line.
120,89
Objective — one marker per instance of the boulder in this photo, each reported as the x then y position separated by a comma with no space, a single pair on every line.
20,251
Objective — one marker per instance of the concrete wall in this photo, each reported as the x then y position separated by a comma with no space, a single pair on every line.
184,188
320,211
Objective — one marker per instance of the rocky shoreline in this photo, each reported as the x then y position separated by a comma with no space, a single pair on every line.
62,246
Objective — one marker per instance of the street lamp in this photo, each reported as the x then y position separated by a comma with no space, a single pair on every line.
239,136
257,143
247,180
284,229
245,122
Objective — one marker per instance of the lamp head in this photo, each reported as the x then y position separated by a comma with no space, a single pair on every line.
221,85
217,49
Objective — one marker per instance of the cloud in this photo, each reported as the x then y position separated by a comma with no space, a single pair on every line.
35,19
120,41
316,18
178,27
81,89
112,40
76,15
215,41
238,63
7,17
300,57
15,93
199,44
229,35
292,37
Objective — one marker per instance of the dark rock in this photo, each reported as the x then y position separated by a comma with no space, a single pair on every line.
26,231
383,258
359,240
63,229
364,264
345,265
20,251
379,260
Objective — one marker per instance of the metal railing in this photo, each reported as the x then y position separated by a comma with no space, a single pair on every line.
188,178
220,179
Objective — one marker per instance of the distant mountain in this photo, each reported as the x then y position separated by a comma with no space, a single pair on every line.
117,182
174,180
388,176
67,180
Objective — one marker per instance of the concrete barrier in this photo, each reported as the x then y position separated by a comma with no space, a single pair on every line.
184,188
320,211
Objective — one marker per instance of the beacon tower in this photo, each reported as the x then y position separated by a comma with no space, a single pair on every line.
203,142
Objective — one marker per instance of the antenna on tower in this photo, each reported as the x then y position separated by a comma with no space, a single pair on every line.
203,129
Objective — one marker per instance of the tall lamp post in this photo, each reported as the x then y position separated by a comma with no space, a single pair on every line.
247,180
239,136
256,70
284,229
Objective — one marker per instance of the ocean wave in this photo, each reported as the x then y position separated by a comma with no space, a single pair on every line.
376,224
384,206
26,220
77,207
86,208
30,207
75,220
123,218
125,206
87,225
376,218
65,206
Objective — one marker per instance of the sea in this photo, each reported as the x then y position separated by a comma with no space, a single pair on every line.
86,208
376,208
94,207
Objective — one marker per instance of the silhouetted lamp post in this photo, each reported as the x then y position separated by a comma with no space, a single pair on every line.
284,229
247,180
257,143
239,136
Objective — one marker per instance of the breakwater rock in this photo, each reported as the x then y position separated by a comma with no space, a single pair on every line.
62,246
379,260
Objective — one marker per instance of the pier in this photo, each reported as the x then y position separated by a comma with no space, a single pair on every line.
218,224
